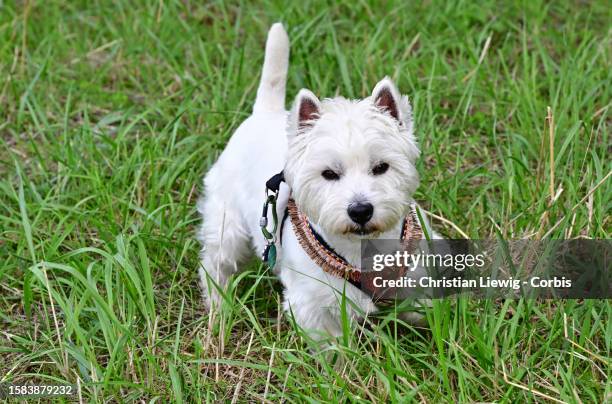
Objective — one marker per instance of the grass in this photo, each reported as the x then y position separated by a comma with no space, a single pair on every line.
110,113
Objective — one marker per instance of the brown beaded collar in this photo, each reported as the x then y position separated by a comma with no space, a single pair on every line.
332,262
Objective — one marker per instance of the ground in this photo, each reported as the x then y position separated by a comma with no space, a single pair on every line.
110,113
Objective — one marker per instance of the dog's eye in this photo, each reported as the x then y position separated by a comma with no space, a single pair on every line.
380,168
330,175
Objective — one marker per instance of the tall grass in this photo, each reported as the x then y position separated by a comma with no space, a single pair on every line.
110,113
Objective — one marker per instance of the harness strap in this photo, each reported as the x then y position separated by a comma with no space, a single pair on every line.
273,184
282,226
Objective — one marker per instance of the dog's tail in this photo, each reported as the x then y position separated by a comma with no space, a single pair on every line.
271,91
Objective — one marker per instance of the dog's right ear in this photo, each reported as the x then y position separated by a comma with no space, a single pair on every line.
306,110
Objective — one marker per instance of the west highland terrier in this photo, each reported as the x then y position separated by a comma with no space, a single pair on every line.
349,171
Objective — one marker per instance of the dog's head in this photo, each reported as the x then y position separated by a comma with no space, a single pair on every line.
351,164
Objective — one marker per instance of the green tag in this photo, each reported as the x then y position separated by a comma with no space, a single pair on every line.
271,258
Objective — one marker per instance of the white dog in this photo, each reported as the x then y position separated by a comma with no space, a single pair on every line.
349,165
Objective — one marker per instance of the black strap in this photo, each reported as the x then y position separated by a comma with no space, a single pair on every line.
273,184
282,226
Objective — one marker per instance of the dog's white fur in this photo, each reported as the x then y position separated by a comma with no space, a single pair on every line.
349,137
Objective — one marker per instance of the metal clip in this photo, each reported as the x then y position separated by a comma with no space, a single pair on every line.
269,252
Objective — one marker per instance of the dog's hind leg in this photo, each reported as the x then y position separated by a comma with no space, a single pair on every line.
225,245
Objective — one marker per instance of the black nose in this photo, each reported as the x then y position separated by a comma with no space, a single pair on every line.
360,213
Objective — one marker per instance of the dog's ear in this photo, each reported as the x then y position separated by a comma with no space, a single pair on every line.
307,109
387,98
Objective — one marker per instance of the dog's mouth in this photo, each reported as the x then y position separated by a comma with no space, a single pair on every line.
362,231
372,229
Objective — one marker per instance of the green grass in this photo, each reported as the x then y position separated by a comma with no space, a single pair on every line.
111,113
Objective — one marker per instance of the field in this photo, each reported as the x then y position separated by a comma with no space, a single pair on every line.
111,112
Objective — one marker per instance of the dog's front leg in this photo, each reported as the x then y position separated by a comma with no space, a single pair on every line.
317,307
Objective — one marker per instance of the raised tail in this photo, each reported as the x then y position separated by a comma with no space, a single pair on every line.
271,91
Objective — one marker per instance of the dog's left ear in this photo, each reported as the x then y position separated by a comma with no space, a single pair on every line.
387,98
